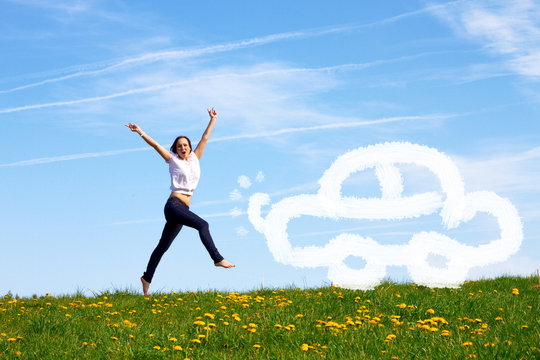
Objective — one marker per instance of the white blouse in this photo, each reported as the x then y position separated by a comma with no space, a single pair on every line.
184,174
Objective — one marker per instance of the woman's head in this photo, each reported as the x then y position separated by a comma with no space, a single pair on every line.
181,146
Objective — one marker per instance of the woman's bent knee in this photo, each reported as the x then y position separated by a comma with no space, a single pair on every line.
203,224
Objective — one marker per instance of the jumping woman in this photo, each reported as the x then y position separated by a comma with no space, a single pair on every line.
185,172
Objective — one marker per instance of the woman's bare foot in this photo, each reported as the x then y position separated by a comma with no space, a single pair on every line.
145,286
224,263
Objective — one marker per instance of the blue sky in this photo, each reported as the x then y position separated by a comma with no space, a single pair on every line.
295,86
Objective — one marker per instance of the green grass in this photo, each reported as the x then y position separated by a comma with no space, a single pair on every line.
481,319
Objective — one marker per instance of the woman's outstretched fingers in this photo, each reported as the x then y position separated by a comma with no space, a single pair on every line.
132,127
145,286
224,263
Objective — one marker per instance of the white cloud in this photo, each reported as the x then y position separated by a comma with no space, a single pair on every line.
260,176
235,195
52,159
244,182
507,28
241,231
455,207
236,212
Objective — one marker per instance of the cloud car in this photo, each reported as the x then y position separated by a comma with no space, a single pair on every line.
452,204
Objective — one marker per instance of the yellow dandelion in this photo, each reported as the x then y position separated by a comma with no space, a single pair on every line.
131,336
67,315
157,347
210,316
202,336
85,343
114,338
225,323
498,318
196,341
256,346
177,348
199,323
173,339
278,326
467,343
299,316
304,347
524,326
430,311
151,335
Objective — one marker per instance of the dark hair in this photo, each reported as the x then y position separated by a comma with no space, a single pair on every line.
173,146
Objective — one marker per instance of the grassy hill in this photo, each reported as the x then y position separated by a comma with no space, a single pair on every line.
488,319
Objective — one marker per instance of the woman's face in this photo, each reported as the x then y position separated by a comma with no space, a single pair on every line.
182,148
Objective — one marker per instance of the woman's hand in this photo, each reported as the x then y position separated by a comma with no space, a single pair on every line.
134,128
212,113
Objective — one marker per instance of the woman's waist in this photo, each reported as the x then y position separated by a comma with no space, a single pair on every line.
185,198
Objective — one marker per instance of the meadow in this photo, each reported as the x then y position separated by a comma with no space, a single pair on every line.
487,319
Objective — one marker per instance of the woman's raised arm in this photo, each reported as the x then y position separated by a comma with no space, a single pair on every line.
206,135
160,149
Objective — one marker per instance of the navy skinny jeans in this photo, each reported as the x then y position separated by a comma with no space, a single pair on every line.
178,214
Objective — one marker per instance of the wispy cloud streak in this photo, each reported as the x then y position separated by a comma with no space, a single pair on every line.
332,126
189,53
508,28
235,137
46,160
230,46
158,87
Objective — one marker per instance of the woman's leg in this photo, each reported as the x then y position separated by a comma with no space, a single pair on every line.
182,215
169,233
